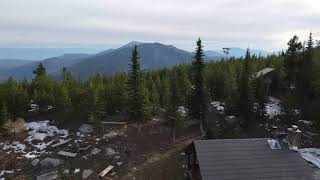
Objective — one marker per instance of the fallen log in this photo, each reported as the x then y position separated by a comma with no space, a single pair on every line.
69,154
60,143
105,171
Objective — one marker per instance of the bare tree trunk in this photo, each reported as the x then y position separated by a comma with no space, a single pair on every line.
139,127
201,128
173,134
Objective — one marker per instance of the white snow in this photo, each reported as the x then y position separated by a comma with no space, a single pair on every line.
312,155
296,112
273,107
30,155
34,107
76,170
16,146
41,146
37,131
218,105
229,117
40,130
6,172
182,110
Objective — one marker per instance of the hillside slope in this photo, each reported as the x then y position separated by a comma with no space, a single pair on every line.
52,65
153,56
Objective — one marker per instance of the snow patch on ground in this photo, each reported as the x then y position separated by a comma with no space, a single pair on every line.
6,172
77,170
41,146
40,130
273,107
218,105
36,141
16,146
182,110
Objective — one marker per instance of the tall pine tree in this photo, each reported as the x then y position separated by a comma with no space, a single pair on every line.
40,70
245,104
198,106
137,109
291,60
174,117
305,77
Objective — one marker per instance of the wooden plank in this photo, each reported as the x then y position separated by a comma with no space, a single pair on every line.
105,171
60,143
69,154
116,123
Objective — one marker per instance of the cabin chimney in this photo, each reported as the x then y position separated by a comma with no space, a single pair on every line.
294,136
274,132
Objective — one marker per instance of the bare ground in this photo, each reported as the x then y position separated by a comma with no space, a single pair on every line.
141,154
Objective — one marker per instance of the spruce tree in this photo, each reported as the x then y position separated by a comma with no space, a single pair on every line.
40,70
137,110
198,106
173,116
291,60
305,77
245,104
62,99
164,93
154,98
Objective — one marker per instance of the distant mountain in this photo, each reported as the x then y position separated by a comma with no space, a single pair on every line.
52,65
6,64
131,44
153,56
108,62
42,53
236,52
213,54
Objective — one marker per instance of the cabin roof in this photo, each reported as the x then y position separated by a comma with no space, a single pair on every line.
248,159
264,72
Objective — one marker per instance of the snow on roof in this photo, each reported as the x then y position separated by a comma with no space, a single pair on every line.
312,155
264,72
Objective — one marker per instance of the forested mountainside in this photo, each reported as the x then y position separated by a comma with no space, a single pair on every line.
296,81
111,61
54,64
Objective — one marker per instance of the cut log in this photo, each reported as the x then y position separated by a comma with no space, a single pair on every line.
84,148
60,143
69,154
105,172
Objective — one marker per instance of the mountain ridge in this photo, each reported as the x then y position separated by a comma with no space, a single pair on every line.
153,56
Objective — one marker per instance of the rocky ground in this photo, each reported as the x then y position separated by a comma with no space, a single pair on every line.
45,151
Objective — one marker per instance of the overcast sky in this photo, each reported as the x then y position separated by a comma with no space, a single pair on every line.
259,24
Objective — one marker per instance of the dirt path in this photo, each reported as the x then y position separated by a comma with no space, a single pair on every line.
180,144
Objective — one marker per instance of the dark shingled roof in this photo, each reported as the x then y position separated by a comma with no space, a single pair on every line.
248,159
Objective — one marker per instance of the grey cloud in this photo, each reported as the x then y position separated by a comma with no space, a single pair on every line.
265,24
